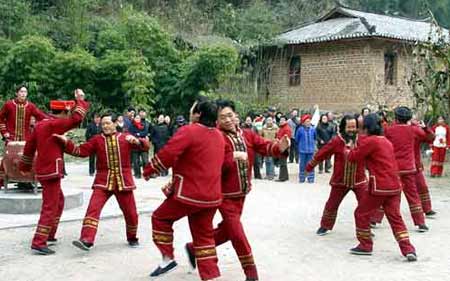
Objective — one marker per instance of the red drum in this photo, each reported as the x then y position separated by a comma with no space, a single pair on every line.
11,160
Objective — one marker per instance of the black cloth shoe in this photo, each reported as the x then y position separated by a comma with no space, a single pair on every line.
411,257
163,270
373,225
322,231
52,242
85,246
251,279
45,251
280,180
133,243
422,228
360,252
190,256
430,214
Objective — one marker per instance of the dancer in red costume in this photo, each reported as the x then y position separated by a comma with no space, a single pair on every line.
49,166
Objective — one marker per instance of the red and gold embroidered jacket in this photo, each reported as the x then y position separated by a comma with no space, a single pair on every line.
49,160
113,166
403,137
378,154
236,175
196,155
346,174
15,119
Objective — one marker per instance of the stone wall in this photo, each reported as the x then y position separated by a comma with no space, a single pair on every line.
340,76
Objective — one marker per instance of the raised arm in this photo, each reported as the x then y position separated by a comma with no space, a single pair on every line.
265,147
60,126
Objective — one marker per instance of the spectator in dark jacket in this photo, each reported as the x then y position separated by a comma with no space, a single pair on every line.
325,132
293,123
139,158
128,118
93,129
160,135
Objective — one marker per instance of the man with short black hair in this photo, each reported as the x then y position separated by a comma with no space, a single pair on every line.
403,137
346,175
196,155
49,165
113,177
15,117
240,149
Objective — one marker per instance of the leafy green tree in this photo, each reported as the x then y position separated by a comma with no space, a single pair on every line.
25,62
69,71
110,38
124,77
5,45
13,18
202,72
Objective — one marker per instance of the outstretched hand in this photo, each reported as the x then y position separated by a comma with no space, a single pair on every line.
131,139
285,143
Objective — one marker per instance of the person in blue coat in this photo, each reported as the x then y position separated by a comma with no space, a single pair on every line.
305,137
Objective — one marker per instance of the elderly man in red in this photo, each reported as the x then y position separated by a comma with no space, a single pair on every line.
15,116
49,166
384,188
403,137
113,177
346,175
196,154
240,149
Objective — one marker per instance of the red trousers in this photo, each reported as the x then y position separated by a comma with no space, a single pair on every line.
337,194
201,225
412,196
424,193
51,210
391,205
98,200
437,161
231,229
377,216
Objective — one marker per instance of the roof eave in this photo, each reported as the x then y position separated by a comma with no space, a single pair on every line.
409,40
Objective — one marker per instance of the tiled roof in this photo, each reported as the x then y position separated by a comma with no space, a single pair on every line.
344,23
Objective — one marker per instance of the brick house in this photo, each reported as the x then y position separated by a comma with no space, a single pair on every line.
344,61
